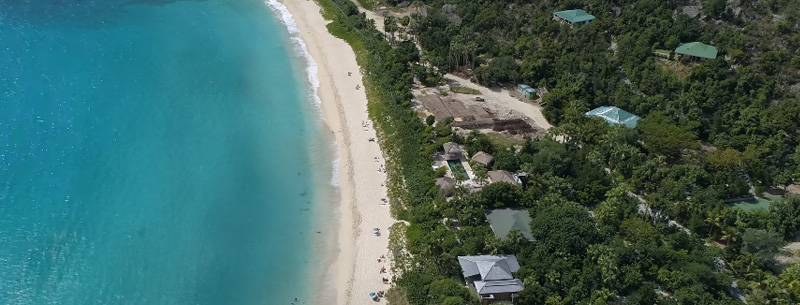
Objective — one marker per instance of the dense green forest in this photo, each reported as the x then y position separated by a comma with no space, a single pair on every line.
708,129
744,100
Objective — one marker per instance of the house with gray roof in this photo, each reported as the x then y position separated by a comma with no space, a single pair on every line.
504,220
492,276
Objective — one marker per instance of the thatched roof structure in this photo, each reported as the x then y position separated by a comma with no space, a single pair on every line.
446,185
452,151
483,158
501,176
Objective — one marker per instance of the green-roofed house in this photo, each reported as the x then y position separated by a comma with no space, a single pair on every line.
573,17
697,51
527,91
614,116
505,220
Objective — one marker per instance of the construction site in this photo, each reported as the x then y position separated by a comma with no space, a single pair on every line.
474,112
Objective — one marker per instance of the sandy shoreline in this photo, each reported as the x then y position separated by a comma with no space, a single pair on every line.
354,271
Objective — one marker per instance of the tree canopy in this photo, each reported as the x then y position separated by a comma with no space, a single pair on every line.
605,202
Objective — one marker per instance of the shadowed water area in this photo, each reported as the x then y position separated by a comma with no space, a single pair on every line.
152,152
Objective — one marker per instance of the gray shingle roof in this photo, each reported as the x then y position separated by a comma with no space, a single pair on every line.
505,286
489,267
505,220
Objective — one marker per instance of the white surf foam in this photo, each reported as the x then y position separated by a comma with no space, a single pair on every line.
300,47
311,67
335,177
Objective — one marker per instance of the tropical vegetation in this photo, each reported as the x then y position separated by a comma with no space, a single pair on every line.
607,202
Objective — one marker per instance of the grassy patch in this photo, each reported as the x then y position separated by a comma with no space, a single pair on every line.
464,90
367,4
676,68
662,52
397,295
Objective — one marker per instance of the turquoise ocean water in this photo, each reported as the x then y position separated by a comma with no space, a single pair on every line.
154,152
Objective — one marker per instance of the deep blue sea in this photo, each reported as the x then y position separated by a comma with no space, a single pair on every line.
154,152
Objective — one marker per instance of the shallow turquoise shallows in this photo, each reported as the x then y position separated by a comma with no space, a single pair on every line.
153,152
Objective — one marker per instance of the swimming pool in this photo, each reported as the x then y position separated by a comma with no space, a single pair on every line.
459,173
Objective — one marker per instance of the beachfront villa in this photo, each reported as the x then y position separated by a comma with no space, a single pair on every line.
502,176
452,151
573,17
491,277
483,158
504,220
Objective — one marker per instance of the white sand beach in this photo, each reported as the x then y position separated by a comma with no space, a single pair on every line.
356,270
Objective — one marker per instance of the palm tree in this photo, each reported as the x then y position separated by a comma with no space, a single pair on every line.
790,278
729,234
493,245
390,26
714,224
481,174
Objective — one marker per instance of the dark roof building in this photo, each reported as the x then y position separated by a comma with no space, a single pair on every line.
505,220
492,276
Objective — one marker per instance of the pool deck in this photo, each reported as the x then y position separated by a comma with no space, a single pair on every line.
439,161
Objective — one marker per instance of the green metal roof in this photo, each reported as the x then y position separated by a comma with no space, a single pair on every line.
503,221
574,16
614,115
525,88
697,49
